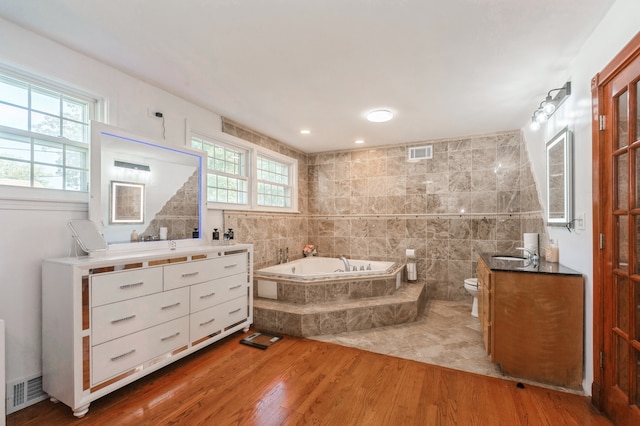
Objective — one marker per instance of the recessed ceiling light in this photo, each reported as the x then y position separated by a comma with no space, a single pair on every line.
380,115
359,141
305,131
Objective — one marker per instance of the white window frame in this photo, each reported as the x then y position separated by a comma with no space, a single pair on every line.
28,193
253,151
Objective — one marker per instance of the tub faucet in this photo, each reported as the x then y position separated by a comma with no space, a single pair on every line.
346,263
531,255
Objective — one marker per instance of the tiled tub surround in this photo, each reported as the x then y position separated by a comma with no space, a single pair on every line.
336,305
475,195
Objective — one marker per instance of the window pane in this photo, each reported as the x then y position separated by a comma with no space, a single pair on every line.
622,180
623,120
76,157
74,110
48,176
16,173
15,147
622,364
45,101
14,91
15,117
76,180
622,303
48,152
75,131
622,230
45,124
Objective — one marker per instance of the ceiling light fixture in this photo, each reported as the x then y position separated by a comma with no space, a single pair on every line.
359,141
549,106
379,115
305,132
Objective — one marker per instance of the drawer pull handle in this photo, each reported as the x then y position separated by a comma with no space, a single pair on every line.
170,306
117,357
123,319
207,322
125,286
235,286
230,266
164,339
190,274
235,310
204,296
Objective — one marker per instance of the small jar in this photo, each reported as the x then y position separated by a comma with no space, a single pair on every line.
552,253
134,236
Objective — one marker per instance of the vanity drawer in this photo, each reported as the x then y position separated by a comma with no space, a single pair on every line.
216,318
117,356
117,286
185,274
122,318
217,291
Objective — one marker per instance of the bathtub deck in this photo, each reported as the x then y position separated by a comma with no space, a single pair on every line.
403,306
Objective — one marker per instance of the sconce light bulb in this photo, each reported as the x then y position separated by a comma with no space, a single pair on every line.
548,108
534,124
541,117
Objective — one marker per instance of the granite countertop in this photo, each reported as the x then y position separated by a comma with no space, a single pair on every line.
543,267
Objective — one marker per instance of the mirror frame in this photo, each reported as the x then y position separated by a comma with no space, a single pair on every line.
564,139
96,208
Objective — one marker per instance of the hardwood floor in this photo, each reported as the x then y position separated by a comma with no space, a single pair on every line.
302,381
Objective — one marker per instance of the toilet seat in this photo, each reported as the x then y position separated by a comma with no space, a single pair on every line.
471,283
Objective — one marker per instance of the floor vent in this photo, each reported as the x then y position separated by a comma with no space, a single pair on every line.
420,152
23,393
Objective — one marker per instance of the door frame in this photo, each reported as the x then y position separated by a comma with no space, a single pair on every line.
601,257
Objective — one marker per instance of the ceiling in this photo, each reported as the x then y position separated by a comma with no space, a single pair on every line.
445,68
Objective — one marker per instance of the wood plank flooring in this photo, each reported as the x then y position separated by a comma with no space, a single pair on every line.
299,381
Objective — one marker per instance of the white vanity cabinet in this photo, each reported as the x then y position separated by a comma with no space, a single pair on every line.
112,319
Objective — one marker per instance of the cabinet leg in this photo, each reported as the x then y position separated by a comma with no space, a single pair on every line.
52,399
246,329
81,411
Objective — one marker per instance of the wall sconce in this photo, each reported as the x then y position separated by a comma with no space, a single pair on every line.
549,105
133,166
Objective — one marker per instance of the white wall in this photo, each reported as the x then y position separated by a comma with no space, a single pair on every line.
32,231
612,34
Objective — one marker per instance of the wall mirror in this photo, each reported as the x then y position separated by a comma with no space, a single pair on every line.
559,157
140,185
126,203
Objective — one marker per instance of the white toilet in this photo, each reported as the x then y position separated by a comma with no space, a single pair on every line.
471,285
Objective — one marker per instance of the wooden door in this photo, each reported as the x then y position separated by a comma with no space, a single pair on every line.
617,235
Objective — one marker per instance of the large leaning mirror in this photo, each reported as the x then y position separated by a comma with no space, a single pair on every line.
559,157
143,191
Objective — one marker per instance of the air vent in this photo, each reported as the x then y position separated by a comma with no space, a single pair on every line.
23,393
420,153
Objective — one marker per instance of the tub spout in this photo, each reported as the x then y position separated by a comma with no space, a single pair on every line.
346,263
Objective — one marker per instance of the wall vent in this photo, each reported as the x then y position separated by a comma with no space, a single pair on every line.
420,152
24,392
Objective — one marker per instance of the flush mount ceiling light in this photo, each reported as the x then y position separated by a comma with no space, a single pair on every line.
305,132
379,115
549,105
359,141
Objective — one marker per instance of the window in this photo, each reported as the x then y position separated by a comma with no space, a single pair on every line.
227,180
44,136
274,186
241,175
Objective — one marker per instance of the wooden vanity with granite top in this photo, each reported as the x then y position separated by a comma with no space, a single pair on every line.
532,319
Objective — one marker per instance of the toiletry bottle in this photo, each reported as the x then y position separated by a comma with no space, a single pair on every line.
134,236
195,233
216,234
231,233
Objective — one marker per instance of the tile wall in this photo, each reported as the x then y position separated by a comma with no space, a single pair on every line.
476,194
